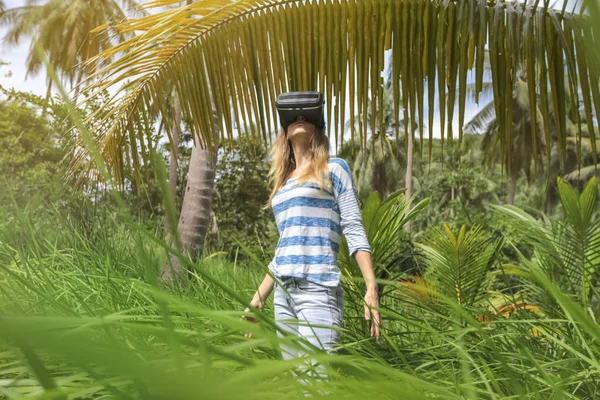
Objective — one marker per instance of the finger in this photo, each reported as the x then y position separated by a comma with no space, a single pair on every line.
376,317
367,313
377,324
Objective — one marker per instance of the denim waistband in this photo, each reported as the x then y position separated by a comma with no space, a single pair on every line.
288,281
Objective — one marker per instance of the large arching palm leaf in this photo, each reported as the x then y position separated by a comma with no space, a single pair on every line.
248,52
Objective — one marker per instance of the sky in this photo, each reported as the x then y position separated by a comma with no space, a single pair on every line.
17,57
13,75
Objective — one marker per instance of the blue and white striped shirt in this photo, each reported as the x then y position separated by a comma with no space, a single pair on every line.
310,224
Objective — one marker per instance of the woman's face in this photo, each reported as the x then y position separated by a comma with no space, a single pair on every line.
301,127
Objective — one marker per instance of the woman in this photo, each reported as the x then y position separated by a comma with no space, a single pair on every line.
314,202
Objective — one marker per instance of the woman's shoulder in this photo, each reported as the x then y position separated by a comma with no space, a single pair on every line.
339,165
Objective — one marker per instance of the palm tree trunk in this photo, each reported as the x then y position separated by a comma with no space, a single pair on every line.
175,132
408,177
196,208
513,184
197,202
452,201
548,196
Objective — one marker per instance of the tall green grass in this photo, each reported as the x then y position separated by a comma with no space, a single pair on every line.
80,317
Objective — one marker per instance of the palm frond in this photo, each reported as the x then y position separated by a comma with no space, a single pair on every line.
459,265
245,38
480,121
584,173
65,30
566,252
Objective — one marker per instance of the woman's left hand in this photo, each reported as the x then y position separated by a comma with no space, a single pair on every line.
372,312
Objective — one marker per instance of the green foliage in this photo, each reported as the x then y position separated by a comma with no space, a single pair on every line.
241,192
459,187
379,168
458,266
537,150
392,250
566,252
30,153
82,318
37,141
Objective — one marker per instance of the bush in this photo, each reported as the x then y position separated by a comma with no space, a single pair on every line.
241,191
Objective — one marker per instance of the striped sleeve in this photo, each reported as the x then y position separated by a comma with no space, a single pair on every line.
347,201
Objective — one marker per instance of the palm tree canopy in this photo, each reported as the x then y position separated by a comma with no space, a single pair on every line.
238,56
63,29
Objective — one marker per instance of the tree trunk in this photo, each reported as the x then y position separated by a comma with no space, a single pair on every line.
452,201
549,188
513,185
408,179
175,137
195,210
197,202
176,133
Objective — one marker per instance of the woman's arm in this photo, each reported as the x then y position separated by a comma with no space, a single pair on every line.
354,231
366,267
258,301
263,292
371,297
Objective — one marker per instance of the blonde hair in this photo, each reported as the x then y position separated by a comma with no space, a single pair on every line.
284,162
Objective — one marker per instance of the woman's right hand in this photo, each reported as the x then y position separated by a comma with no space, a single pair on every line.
254,303
258,301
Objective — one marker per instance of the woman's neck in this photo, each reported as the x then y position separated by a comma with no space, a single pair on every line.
301,155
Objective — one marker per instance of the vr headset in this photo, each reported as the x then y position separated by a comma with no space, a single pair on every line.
309,105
